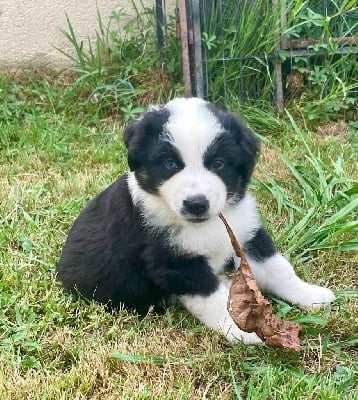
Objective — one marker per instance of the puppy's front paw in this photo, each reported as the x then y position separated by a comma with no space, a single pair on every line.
233,333
313,296
247,338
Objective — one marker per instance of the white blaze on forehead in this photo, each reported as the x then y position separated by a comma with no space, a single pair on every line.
191,128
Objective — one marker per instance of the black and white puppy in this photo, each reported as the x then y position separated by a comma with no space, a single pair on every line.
155,232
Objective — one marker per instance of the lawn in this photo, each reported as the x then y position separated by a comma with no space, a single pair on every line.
54,159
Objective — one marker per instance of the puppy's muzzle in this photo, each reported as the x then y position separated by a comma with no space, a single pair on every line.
195,208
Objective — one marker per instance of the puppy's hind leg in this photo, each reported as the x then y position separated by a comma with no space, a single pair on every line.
276,275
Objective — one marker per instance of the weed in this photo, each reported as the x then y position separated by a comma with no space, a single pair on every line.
325,217
116,67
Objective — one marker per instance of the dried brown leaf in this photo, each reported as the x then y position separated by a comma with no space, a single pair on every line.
251,311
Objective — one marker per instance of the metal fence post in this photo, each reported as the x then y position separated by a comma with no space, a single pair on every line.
197,49
160,22
279,85
185,47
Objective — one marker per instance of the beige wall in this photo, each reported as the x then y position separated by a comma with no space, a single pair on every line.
30,29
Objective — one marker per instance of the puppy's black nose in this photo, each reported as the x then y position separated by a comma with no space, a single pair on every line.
196,205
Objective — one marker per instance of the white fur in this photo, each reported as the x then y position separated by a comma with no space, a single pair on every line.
276,275
194,179
191,128
212,311
209,238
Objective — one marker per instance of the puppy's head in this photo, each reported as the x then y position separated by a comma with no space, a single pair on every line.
194,156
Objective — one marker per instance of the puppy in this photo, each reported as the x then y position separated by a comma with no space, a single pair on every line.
155,232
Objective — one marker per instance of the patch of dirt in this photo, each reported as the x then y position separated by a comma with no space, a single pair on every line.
333,129
22,75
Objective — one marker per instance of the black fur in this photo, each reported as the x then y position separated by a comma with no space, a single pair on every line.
146,151
260,246
112,258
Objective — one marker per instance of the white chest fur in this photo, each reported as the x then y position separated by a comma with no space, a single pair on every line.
210,239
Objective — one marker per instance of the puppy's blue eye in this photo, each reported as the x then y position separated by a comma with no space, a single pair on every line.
218,163
171,165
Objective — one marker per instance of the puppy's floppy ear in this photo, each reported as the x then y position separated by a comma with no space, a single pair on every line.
149,124
244,137
129,132
132,135
141,134
247,141
220,106
251,144
233,123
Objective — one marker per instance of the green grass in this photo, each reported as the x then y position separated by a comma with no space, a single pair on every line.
54,157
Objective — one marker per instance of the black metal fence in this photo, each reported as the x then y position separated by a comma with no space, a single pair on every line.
266,50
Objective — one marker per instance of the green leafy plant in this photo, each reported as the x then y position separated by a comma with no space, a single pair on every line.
329,70
326,216
241,55
236,48
113,68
